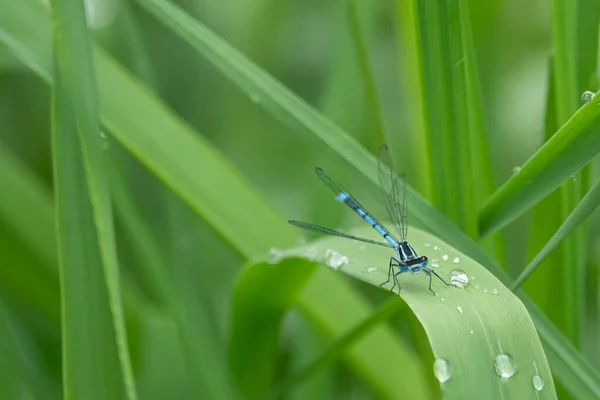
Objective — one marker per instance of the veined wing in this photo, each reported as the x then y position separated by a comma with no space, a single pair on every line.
327,231
388,179
343,196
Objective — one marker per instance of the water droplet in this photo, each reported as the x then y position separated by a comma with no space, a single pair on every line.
456,260
436,247
443,299
275,255
516,170
104,140
371,269
445,257
311,253
477,286
573,178
459,308
495,291
427,244
472,277
334,259
441,370
587,96
484,290
471,332
434,264
505,366
459,278
538,382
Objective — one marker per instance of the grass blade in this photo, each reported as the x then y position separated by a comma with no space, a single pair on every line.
564,32
91,372
374,115
265,291
485,318
77,137
583,210
27,209
574,145
200,349
296,113
341,345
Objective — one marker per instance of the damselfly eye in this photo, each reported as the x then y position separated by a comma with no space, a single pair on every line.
423,258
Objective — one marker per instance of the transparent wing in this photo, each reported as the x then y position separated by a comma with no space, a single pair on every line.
345,197
394,194
327,231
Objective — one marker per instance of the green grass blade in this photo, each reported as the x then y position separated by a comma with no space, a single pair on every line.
28,244
265,291
77,125
583,210
574,145
176,159
21,372
439,38
347,310
580,378
438,50
90,371
374,115
564,32
27,209
546,287
296,113
337,349
467,327
200,348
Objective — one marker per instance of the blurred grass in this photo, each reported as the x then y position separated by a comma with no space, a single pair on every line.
96,360
237,179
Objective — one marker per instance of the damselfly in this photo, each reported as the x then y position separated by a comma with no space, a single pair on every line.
408,260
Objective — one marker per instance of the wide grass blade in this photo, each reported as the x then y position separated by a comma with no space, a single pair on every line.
94,336
467,328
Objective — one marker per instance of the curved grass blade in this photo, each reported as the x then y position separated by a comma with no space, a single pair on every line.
575,144
583,210
469,328
85,222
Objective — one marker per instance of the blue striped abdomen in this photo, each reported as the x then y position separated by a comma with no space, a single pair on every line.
345,198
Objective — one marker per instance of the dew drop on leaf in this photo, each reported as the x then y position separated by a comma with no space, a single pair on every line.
441,370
